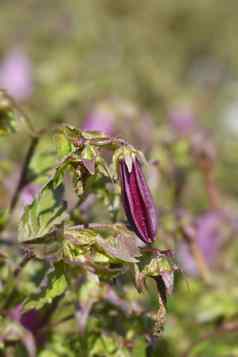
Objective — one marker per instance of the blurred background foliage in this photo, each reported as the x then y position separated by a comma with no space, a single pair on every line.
153,54
144,60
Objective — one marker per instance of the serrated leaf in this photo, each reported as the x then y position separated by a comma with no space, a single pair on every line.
80,236
73,134
56,286
63,146
88,157
46,211
123,247
43,161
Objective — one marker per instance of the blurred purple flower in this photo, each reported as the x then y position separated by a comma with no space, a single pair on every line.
26,336
209,239
101,118
15,74
115,116
31,320
209,235
182,120
29,193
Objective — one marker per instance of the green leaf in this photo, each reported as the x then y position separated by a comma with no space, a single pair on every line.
73,135
163,263
217,304
4,215
43,161
63,145
45,213
88,157
103,169
8,114
78,243
108,345
80,237
56,286
7,123
123,247
48,248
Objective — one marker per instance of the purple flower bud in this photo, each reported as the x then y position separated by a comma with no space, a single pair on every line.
138,202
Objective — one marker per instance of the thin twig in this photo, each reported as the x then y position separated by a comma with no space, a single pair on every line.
212,190
22,182
116,141
95,226
28,256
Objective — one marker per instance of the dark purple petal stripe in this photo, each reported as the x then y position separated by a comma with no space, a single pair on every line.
150,209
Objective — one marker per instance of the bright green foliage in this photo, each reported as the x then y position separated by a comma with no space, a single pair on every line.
123,247
8,115
63,145
56,286
45,213
42,164
7,123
